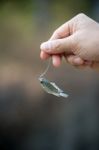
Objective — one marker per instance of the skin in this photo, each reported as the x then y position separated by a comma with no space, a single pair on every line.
77,41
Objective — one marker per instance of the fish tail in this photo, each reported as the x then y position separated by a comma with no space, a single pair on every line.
64,95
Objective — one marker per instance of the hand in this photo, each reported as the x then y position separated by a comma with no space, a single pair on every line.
77,40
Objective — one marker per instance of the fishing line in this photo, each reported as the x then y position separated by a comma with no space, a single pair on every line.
46,70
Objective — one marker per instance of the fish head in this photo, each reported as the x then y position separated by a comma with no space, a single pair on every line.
42,80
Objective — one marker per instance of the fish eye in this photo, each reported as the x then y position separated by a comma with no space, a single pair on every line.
41,81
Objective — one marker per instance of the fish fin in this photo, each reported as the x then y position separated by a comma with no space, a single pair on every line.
64,94
56,87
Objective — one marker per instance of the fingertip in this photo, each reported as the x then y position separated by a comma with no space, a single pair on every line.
44,55
74,60
42,46
56,60
78,61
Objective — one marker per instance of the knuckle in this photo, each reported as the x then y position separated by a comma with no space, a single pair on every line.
75,44
78,18
81,15
56,33
57,45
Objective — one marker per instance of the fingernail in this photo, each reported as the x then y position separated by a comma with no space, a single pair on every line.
44,46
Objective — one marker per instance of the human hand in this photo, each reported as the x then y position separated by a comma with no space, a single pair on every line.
77,40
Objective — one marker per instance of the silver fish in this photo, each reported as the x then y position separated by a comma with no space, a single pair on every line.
52,88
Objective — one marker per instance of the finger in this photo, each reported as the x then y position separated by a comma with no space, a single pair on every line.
44,55
59,46
74,60
67,28
56,60
62,31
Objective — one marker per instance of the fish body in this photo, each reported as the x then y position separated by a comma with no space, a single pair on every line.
52,88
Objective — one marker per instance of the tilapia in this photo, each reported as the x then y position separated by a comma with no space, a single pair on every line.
52,88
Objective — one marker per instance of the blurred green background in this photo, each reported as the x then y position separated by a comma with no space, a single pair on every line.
31,119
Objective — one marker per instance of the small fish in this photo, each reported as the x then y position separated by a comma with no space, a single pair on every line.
52,88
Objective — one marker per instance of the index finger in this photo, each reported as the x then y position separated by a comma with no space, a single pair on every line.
62,32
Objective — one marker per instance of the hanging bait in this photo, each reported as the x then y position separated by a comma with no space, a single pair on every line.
51,87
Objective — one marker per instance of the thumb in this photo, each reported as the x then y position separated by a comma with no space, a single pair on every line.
58,46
